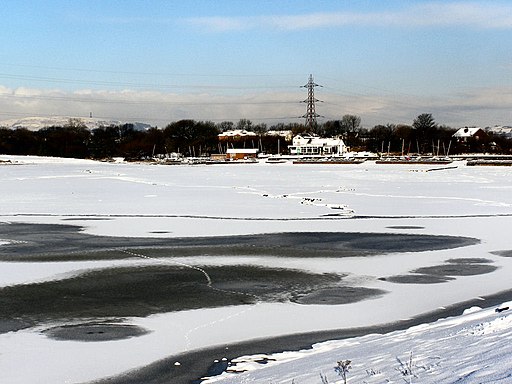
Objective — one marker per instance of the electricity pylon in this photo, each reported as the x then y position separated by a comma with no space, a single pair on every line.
311,114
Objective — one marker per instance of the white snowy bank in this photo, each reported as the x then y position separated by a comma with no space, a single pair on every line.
473,348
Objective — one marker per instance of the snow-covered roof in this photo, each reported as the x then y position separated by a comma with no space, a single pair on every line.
314,140
237,132
242,150
285,133
467,132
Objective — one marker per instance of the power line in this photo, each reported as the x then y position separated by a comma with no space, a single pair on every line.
73,99
138,85
154,119
209,75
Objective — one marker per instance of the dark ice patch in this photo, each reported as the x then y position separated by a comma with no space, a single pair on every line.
95,332
338,295
86,219
145,290
405,227
469,260
417,279
507,253
48,242
456,269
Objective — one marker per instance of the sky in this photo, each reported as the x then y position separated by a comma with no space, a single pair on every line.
159,61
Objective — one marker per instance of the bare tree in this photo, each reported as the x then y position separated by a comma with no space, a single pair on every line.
351,125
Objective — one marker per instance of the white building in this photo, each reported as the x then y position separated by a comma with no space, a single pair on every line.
241,153
286,134
313,145
237,134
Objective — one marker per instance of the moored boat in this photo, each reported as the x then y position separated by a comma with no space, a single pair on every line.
329,161
414,160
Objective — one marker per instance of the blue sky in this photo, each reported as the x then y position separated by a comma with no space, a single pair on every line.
160,61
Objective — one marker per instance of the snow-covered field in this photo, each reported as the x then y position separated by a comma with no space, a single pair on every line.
142,200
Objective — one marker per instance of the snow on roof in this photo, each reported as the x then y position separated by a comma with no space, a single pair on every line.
237,132
315,140
242,150
283,133
467,132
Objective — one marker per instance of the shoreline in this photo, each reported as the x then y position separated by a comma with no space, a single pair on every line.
195,365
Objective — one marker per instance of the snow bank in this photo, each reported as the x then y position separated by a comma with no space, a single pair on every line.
471,348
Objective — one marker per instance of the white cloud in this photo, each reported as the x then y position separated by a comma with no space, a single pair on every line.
476,14
470,14
23,91
5,90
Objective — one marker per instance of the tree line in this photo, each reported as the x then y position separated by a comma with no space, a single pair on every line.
200,138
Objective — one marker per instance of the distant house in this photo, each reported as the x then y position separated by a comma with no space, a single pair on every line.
236,135
286,134
463,134
313,145
241,153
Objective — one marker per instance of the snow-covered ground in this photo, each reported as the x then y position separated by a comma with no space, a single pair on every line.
186,201
473,348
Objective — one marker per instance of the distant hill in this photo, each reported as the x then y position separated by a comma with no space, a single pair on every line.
36,123
503,130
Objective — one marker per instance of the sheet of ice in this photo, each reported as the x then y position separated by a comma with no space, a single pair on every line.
169,201
250,191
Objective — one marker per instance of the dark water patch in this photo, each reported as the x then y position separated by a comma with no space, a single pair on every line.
507,253
336,215
405,227
95,332
269,284
456,269
409,243
222,365
160,232
142,291
48,242
217,368
417,279
469,260
337,295
14,324
441,273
